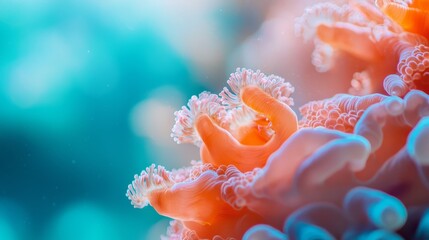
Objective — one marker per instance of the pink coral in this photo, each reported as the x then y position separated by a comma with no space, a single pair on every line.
340,112
361,30
414,68
387,125
242,127
255,122
360,158
184,131
306,161
202,211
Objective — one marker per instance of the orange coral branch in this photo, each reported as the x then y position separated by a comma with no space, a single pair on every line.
412,17
351,39
219,146
243,128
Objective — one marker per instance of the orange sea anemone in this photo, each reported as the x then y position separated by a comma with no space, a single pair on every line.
355,166
244,126
412,15
194,200
359,29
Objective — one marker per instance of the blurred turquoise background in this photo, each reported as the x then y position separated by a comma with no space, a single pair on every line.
87,95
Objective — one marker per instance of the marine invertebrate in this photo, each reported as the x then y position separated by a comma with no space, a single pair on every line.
340,112
375,208
307,222
387,125
344,27
253,121
309,159
413,68
242,127
263,231
359,29
201,208
361,159
362,210
412,72
313,165
412,15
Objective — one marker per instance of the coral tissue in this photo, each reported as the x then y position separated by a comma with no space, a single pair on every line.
353,166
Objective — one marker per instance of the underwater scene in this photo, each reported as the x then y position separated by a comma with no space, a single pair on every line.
215,119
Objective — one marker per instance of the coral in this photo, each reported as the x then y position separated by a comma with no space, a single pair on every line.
365,214
310,159
252,122
355,166
201,208
412,15
206,103
359,29
340,112
413,69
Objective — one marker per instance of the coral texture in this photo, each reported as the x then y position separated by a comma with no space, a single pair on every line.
354,166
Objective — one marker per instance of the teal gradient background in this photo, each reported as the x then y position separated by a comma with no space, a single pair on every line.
87,95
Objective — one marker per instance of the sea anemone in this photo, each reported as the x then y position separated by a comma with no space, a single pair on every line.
245,126
355,166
